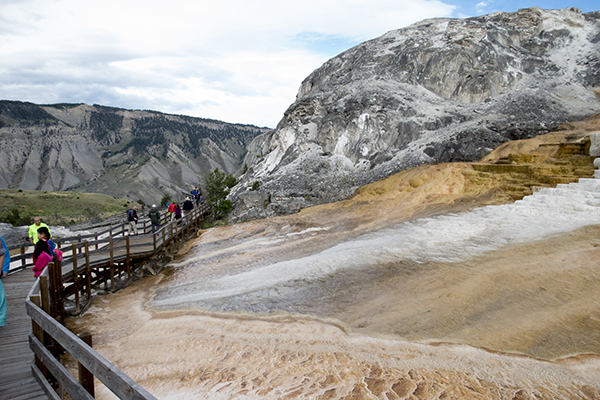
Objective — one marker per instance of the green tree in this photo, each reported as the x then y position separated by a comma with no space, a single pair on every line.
165,199
230,181
218,186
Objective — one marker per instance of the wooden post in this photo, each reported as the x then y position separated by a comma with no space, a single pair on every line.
39,334
172,238
44,293
96,240
112,264
53,300
154,252
75,276
58,287
88,271
179,229
22,251
79,241
86,378
127,257
45,297
186,230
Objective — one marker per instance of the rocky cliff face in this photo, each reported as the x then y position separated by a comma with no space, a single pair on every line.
132,154
439,90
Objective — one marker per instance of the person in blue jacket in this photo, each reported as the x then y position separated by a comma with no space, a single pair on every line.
5,262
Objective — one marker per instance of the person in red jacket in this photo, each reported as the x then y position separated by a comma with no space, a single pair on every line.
172,208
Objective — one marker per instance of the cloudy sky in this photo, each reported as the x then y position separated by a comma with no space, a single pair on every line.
232,60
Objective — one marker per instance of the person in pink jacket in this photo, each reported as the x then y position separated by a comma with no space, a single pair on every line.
42,255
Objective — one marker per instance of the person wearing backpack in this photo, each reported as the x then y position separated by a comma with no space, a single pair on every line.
187,206
132,218
154,215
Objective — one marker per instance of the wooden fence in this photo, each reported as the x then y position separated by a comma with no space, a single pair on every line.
110,263
94,239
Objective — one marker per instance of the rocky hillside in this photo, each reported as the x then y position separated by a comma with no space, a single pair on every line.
131,154
439,90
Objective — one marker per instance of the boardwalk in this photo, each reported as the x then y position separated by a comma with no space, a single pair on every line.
16,379
107,263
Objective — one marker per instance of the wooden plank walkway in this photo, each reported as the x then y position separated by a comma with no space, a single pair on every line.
141,247
16,379
99,262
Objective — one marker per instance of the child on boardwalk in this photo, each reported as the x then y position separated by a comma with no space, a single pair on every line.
42,254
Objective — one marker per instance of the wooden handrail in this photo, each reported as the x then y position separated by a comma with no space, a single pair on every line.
114,231
119,383
44,305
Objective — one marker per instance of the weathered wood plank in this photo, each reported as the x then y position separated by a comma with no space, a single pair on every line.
16,388
39,394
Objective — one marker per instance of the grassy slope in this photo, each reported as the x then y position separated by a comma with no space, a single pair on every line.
61,207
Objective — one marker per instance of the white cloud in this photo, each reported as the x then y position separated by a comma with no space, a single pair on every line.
233,60
481,7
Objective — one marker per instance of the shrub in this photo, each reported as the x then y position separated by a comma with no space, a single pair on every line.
15,218
165,200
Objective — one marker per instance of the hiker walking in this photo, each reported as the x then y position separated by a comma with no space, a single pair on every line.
171,209
154,215
132,218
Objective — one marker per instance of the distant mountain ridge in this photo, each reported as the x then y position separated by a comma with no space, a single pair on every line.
439,90
127,153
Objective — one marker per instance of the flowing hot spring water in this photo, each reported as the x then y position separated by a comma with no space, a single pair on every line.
403,310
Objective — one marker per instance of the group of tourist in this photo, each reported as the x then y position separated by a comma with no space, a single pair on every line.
153,214
176,212
44,249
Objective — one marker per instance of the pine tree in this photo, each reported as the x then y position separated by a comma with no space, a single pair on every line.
218,186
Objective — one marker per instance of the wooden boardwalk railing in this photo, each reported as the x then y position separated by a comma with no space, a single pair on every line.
105,263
